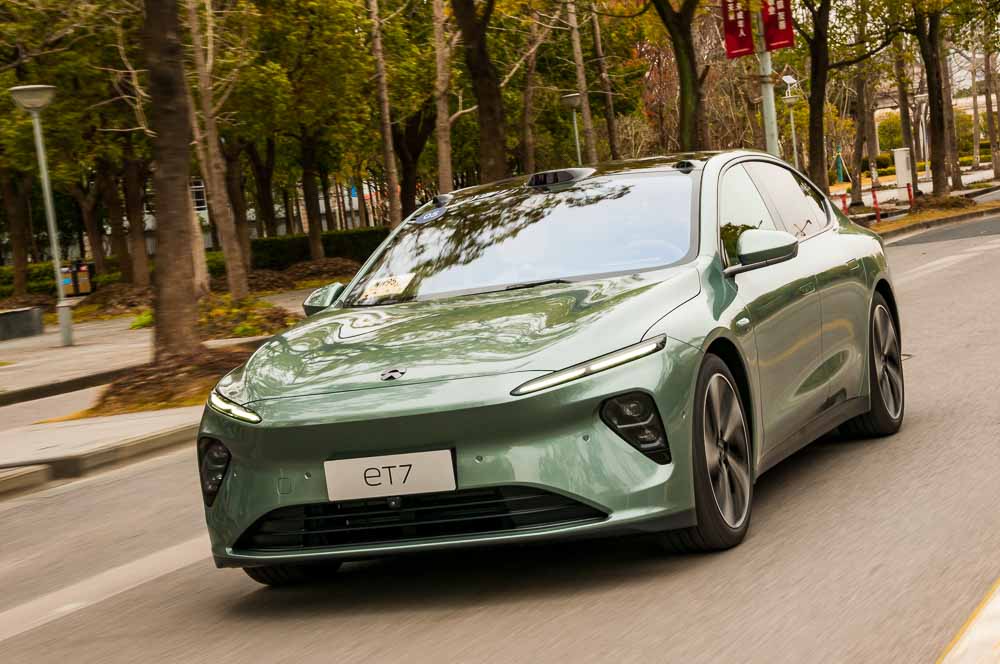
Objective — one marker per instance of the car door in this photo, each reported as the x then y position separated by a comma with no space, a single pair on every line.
840,277
784,308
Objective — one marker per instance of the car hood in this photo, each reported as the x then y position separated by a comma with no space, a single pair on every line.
534,329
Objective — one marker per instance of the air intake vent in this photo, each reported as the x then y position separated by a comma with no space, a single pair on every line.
425,516
564,176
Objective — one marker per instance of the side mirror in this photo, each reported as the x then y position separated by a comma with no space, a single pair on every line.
321,298
759,248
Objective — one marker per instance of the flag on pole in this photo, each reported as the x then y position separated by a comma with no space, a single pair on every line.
779,32
736,28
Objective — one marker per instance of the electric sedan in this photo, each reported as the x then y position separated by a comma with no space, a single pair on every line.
577,353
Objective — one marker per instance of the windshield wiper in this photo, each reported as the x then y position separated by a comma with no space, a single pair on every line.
532,284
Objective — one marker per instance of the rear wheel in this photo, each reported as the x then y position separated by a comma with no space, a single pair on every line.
885,378
291,575
723,484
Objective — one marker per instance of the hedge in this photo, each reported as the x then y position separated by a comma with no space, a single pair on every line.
272,253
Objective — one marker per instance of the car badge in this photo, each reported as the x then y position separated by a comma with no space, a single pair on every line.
392,374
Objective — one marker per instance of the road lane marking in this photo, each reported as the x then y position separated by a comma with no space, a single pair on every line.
978,642
68,600
935,266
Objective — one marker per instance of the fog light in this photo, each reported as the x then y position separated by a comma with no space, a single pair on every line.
213,461
634,418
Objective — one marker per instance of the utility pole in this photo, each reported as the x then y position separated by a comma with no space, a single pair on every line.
766,88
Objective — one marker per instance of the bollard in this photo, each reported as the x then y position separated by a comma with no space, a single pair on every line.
843,203
878,215
909,193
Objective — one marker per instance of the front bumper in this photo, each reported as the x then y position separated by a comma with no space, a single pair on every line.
553,440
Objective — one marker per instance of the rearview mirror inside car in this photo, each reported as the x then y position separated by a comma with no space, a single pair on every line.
321,298
758,247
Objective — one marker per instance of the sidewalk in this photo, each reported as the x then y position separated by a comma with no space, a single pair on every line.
924,185
31,455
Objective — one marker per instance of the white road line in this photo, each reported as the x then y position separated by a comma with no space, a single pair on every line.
979,640
934,266
88,592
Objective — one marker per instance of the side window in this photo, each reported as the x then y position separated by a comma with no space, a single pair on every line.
802,208
740,208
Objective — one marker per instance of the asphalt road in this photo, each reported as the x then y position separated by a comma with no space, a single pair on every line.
859,551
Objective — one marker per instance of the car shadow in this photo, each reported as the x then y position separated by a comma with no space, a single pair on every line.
467,578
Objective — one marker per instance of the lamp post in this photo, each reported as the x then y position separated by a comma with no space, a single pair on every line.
572,101
791,98
33,98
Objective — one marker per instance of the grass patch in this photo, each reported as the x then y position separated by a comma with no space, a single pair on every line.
925,215
981,185
219,317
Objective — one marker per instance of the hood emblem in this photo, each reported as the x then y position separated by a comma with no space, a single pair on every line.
392,374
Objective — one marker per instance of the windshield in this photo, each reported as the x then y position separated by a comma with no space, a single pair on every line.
493,239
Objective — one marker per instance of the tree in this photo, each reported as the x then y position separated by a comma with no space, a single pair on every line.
442,108
905,122
175,309
693,133
926,27
203,49
581,83
609,96
473,25
385,119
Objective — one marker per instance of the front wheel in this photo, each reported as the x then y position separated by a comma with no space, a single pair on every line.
885,378
723,483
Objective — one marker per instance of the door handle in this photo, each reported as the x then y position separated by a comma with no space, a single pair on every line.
807,287
854,264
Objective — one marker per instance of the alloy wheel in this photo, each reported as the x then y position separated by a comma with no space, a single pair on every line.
888,361
727,450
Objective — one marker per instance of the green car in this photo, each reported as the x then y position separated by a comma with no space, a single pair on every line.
579,353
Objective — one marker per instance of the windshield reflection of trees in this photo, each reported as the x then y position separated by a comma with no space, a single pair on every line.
472,225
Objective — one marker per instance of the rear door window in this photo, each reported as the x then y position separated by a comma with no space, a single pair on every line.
801,207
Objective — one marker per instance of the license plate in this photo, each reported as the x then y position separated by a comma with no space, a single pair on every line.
390,475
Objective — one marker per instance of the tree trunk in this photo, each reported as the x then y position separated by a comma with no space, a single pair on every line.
297,210
928,33
134,184
14,190
409,138
528,101
340,223
905,122
976,134
871,134
679,24
237,197
108,185
385,118
991,120
362,205
949,118
819,74
328,216
86,198
609,98
311,192
589,142
263,178
442,83
486,85
861,120
175,310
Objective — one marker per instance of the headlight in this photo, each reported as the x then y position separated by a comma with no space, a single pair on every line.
590,367
232,409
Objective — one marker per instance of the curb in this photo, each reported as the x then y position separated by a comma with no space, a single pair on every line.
933,223
40,471
25,478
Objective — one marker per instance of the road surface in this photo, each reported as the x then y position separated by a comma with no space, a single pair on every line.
859,551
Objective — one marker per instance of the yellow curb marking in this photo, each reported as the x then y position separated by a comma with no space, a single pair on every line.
972,638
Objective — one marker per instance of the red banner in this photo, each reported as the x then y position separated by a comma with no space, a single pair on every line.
736,27
778,29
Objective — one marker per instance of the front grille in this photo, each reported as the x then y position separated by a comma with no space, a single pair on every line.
418,517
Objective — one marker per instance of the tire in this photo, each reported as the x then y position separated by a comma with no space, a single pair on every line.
721,524
291,575
885,372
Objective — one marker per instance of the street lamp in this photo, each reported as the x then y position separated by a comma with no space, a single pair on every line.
33,98
572,101
791,98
